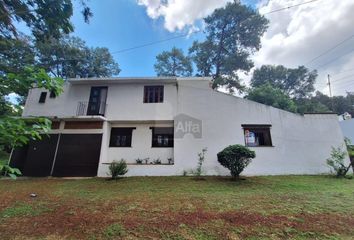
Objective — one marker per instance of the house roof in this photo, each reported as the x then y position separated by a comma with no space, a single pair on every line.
134,80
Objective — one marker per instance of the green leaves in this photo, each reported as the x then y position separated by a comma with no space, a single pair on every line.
236,158
16,132
6,170
173,63
233,34
271,96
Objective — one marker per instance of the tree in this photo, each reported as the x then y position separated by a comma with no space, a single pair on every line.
236,158
173,63
68,57
45,18
233,34
295,82
271,96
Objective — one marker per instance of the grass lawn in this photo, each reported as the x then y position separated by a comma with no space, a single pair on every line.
282,207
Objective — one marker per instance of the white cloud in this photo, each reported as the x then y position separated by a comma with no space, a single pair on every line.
297,35
178,14
294,37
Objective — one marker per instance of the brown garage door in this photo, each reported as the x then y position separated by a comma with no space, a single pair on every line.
40,156
78,155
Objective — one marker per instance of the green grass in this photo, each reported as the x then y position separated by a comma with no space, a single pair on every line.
278,207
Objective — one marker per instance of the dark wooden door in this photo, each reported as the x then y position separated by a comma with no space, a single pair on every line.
40,156
97,101
78,155
18,157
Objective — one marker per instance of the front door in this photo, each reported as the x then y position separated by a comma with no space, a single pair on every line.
97,102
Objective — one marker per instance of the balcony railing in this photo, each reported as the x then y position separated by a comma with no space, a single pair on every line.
91,108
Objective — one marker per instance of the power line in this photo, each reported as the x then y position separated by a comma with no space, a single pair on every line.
286,8
187,34
344,71
335,59
330,49
184,35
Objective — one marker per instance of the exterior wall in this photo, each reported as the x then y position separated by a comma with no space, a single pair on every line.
347,127
140,148
301,144
124,102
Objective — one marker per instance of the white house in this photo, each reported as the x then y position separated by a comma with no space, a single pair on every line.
148,120
347,127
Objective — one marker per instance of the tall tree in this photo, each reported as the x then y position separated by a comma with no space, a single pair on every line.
233,34
173,63
296,82
45,18
69,57
271,96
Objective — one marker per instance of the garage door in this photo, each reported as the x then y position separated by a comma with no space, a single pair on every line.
40,156
78,155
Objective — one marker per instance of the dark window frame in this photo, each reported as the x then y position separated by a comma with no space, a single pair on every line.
42,97
261,131
164,132
126,132
153,94
52,94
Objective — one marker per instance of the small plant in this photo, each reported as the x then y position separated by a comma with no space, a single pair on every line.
6,170
184,173
117,169
236,158
139,161
146,160
201,157
170,161
336,162
157,161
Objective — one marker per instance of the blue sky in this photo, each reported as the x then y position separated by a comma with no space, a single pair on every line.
123,24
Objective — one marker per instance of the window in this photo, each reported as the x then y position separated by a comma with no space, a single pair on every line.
257,135
52,94
153,94
121,137
42,97
162,136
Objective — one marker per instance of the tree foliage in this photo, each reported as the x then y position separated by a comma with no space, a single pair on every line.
336,162
232,35
69,57
271,96
173,63
236,158
295,82
45,18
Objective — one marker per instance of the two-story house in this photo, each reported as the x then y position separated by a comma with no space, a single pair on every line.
159,125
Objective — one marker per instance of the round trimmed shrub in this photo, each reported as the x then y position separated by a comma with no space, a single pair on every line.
236,158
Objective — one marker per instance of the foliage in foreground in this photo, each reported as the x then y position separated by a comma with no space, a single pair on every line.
117,169
6,170
236,158
336,162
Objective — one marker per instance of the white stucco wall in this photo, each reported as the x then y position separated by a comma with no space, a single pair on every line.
124,102
347,127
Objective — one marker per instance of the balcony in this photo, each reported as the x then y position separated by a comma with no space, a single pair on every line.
91,108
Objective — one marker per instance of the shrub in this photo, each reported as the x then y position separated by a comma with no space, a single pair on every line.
6,170
117,169
235,158
336,162
157,161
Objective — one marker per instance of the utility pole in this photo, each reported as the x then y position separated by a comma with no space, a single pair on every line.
329,85
330,90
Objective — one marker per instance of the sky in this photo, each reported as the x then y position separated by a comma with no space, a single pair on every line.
295,36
